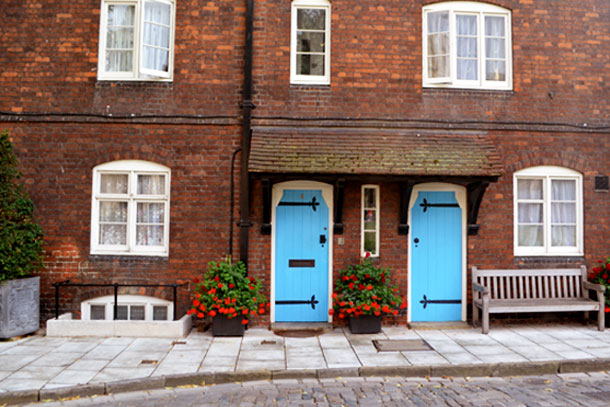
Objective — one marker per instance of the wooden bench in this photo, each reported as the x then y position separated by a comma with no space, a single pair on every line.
541,290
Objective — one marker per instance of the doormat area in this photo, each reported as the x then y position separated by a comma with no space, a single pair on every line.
302,333
400,345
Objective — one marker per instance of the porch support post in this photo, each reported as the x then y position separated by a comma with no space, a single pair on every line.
266,225
476,190
406,188
338,220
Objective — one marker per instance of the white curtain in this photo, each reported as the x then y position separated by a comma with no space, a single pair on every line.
467,49
531,216
113,183
495,48
156,30
151,184
119,38
113,223
563,213
149,224
438,44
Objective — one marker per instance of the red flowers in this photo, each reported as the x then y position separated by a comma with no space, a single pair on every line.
244,321
231,285
369,287
331,311
220,285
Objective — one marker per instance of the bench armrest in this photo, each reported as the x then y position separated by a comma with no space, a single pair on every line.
587,285
480,288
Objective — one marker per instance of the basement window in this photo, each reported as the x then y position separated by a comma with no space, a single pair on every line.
130,308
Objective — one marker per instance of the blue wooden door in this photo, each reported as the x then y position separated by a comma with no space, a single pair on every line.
436,257
301,257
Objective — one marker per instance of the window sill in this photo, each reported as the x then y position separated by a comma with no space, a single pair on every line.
571,259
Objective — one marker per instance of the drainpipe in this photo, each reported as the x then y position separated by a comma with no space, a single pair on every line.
246,106
232,204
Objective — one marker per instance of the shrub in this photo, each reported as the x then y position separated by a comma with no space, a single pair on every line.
601,275
20,235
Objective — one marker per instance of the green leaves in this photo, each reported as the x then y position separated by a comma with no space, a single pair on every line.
20,235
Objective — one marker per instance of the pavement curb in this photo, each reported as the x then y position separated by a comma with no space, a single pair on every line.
206,379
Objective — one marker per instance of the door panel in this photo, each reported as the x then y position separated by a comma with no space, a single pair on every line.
301,262
436,257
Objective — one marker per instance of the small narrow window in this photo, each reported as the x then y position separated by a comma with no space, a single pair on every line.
370,220
310,42
159,313
130,308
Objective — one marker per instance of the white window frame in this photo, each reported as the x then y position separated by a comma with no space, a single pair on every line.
132,168
129,300
362,228
309,79
472,8
138,73
547,174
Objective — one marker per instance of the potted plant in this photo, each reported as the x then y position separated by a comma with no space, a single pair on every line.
20,250
229,296
363,295
600,274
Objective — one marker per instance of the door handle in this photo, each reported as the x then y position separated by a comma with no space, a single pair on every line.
416,240
322,239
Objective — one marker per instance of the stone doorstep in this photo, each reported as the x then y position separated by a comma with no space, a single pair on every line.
203,379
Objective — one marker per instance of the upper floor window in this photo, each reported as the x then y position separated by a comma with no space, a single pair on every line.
130,208
136,40
370,220
310,42
548,211
467,45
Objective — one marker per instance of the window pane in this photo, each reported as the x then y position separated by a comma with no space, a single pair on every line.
563,190
563,236
563,212
494,26
119,61
157,12
495,70
151,184
121,312
370,242
120,15
159,313
495,48
530,213
529,189
438,22
370,217
310,64
467,47
369,198
310,42
149,235
466,25
113,183
113,212
438,67
98,312
155,50
530,236
438,44
119,38
311,19
136,313
151,212
113,235
467,69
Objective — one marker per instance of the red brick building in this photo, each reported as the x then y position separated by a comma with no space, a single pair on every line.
436,136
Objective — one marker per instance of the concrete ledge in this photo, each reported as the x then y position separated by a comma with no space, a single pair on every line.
294,374
584,365
338,372
245,376
395,371
123,386
75,391
65,326
525,369
482,370
187,379
18,397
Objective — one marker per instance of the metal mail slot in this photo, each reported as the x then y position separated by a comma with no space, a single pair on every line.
301,263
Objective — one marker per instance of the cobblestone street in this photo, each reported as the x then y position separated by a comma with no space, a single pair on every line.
579,389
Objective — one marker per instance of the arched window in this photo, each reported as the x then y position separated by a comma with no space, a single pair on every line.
130,208
467,44
548,211
130,308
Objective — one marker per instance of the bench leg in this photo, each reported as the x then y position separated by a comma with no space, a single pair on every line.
586,321
475,315
485,325
601,320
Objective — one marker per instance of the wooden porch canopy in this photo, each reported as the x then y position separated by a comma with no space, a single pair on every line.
409,157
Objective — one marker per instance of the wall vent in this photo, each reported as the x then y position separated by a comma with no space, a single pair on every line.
601,183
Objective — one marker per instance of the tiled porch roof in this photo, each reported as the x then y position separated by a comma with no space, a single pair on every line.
372,152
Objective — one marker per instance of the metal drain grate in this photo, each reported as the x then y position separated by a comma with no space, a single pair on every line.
401,345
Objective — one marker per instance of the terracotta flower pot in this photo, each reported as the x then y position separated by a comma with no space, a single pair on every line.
223,326
365,324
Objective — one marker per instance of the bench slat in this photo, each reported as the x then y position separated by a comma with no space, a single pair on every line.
529,272
537,305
